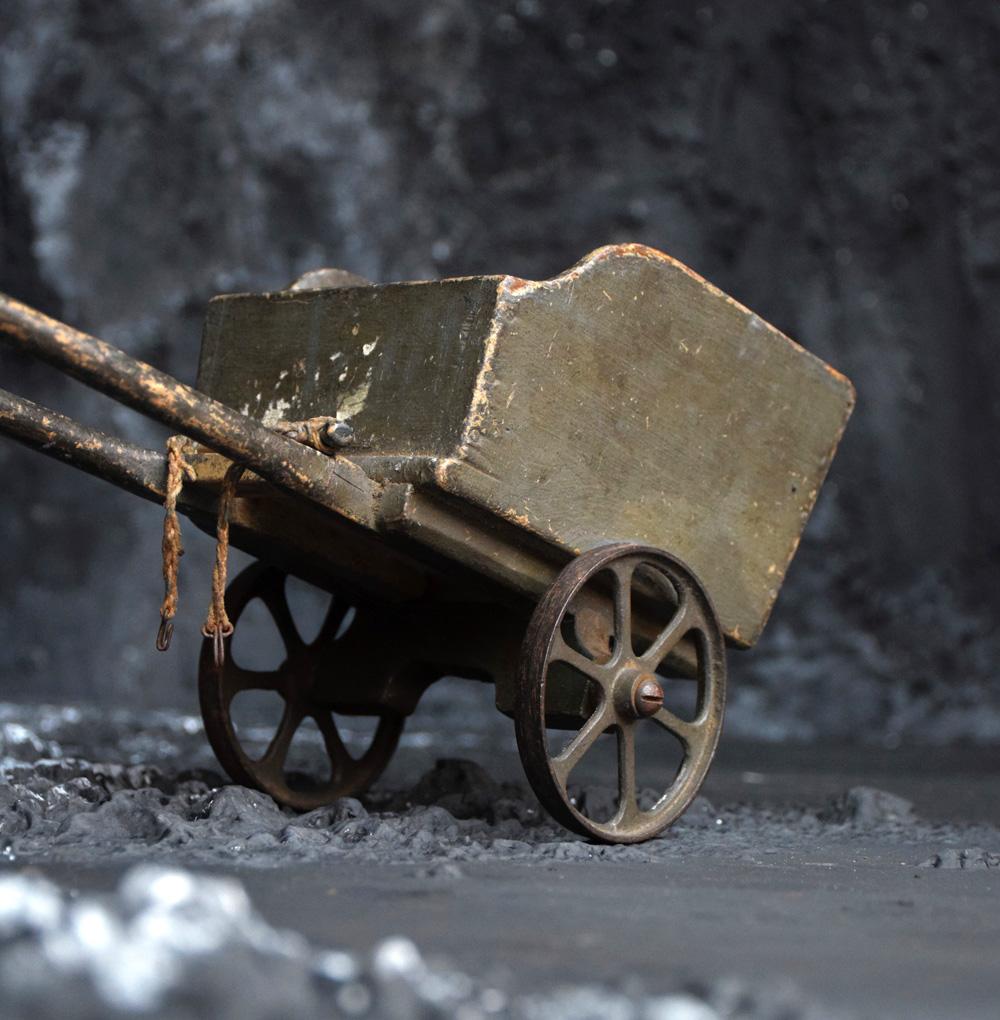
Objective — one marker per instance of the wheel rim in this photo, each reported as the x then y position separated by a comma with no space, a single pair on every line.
306,670
628,692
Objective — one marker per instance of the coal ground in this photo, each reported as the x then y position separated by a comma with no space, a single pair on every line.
808,881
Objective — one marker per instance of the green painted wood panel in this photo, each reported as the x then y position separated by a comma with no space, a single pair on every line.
397,361
630,399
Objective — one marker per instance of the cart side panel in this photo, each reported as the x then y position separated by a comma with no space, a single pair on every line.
398,361
630,399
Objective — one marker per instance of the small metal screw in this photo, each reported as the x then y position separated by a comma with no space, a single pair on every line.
648,697
338,433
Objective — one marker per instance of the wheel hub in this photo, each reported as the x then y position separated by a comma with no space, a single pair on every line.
638,694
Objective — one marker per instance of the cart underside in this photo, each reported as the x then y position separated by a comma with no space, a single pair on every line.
456,585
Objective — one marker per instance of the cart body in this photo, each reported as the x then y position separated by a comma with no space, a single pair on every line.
510,424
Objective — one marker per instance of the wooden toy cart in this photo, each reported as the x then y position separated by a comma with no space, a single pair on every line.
580,489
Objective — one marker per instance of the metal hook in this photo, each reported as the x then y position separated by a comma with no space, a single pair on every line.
164,633
219,635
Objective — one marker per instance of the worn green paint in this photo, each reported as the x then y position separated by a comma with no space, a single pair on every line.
626,399
397,361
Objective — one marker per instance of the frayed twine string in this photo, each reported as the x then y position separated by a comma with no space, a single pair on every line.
217,626
178,469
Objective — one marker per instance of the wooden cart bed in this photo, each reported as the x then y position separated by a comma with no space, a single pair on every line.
625,399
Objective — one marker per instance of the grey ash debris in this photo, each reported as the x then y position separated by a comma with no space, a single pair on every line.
74,809
866,807
76,784
158,807
970,859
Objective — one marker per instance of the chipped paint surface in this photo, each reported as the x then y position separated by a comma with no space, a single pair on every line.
353,402
276,411
480,404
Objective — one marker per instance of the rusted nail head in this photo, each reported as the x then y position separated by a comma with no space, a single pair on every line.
338,433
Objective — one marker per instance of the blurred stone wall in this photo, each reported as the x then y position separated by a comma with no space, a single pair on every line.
832,165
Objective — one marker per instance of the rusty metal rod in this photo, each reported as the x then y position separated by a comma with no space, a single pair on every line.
134,468
98,364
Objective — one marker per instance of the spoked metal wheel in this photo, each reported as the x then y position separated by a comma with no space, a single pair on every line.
652,603
307,681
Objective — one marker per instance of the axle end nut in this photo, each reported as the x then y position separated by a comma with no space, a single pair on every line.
647,696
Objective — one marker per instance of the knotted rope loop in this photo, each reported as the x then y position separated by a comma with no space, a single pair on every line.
324,433
217,624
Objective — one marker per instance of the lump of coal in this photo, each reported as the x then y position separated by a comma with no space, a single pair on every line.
866,807
127,815
18,743
463,788
15,817
700,814
130,954
241,811
344,810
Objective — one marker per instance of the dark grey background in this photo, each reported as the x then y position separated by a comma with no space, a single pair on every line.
832,165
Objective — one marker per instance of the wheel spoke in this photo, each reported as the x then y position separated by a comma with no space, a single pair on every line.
564,763
561,652
335,615
274,598
681,622
335,749
236,679
277,751
301,682
628,804
622,572
689,732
